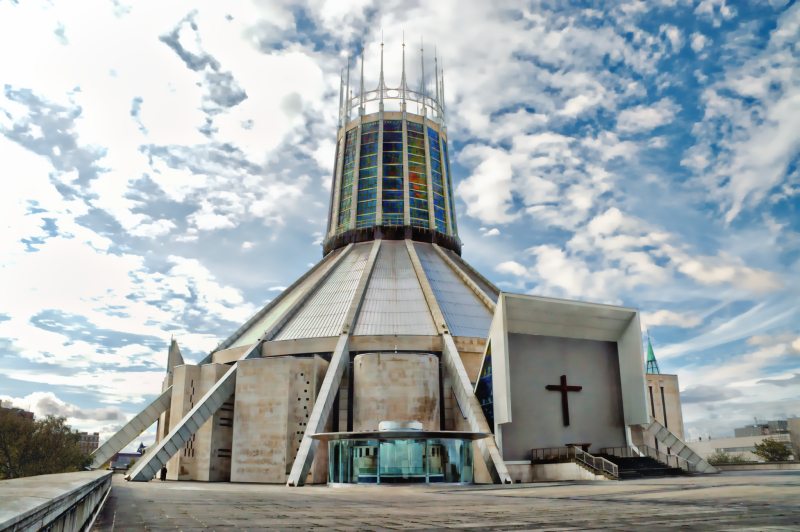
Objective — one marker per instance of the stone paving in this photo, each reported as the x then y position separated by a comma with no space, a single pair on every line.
742,502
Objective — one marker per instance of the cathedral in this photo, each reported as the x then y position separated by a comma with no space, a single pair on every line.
393,361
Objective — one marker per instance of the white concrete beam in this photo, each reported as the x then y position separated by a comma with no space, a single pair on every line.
132,429
333,378
151,463
320,413
472,409
665,436
461,383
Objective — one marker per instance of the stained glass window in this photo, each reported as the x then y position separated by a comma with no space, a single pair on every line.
392,200
347,180
417,175
439,212
449,178
368,175
484,391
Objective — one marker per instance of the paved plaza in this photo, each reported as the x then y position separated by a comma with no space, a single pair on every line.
729,501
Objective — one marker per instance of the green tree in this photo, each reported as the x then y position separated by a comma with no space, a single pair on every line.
720,457
771,450
38,447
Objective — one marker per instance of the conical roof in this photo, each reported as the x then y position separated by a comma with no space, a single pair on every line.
394,301
175,358
652,364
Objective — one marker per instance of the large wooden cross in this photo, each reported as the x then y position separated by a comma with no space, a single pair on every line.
563,388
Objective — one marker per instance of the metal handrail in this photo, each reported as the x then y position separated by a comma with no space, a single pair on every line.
559,454
671,460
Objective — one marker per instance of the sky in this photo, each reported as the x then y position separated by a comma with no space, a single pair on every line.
166,169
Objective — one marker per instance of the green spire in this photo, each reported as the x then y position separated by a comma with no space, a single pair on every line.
652,365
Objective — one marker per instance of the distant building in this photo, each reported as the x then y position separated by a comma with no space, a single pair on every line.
744,445
763,428
123,460
6,405
89,442
750,430
664,403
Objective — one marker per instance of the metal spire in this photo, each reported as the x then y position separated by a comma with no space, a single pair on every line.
422,61
652,364
347,94
381,83
361,105
436,74
403,79
443,105
341,95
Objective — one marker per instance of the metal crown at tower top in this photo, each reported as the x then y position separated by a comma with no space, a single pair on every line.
391,177
348,102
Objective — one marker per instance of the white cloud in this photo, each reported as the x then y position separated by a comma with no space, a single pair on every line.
492,232
46,403
487,192
513,268
644,118
152,230
668,317
699,41
674,35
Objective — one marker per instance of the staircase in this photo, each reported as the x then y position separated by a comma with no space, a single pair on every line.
637,467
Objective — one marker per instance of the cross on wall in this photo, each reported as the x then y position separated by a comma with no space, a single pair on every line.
563,388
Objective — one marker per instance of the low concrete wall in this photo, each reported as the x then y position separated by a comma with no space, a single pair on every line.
60,503
761,466
524,473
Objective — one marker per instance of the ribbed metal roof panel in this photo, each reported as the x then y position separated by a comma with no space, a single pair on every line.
490,292
324,312
464,313
394,302
257,329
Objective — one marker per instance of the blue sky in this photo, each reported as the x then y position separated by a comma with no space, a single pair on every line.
166,170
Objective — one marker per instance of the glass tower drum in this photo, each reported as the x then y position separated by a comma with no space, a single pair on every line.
391,175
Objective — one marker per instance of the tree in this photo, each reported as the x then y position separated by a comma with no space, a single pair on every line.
771,450
38,447
720,457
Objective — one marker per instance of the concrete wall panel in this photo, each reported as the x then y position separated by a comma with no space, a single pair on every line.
596,414
396,387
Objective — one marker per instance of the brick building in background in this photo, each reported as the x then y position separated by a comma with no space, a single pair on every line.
89,442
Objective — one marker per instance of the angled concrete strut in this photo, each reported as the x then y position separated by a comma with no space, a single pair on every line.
148,466
153,461
333,378
665,436
461,384
132,429
472,408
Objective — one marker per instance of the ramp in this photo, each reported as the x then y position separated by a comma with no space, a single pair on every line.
665,436
132,429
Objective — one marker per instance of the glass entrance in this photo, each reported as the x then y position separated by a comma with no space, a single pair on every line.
396,461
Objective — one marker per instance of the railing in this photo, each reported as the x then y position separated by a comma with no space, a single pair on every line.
569,454
670,460
67,502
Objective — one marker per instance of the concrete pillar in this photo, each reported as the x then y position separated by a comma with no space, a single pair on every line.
206,455
274,398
